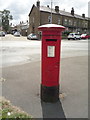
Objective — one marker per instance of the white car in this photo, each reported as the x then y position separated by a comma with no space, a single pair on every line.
17,34
32,37
74,36
2,33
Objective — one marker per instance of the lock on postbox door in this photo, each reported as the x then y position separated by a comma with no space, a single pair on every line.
51,43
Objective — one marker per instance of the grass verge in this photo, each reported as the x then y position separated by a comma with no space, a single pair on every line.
7,110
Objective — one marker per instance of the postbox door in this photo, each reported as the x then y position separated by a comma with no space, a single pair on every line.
51,58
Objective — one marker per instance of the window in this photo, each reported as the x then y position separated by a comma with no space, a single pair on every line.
33,19
79,23
65,21
70,22
75,23
86,25
59,21
49,19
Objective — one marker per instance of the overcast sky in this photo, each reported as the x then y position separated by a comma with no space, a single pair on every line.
20,8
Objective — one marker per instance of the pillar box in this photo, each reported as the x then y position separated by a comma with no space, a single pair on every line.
50,62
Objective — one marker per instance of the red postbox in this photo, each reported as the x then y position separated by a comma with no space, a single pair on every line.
51,44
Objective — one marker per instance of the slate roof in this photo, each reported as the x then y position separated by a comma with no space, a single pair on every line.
61,12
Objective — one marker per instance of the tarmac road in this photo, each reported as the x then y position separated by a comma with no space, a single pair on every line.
19,50
22,81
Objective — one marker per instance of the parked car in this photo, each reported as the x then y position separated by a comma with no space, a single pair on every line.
88,36
2,34
85,36
17,34
74,36
32,36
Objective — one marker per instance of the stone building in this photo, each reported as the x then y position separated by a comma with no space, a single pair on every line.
40,15
89,9
22,27
89,16
0,20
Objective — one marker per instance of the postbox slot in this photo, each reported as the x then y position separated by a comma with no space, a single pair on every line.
51,39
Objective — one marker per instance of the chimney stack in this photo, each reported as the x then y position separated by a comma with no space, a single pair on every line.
83,15
57,9
38,4
48,6
72,11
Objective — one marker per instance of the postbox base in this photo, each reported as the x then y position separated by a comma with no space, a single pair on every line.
49,94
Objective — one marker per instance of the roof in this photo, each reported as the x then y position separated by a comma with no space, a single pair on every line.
61,12
31,9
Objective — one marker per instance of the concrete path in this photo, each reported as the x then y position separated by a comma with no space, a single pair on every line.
22,88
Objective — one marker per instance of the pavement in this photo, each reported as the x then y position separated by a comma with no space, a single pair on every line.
22,88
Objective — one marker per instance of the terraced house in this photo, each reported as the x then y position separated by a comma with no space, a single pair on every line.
0,20
40,15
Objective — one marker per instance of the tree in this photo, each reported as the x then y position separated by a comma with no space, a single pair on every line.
6,17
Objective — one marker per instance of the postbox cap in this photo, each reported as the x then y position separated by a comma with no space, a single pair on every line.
51,26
